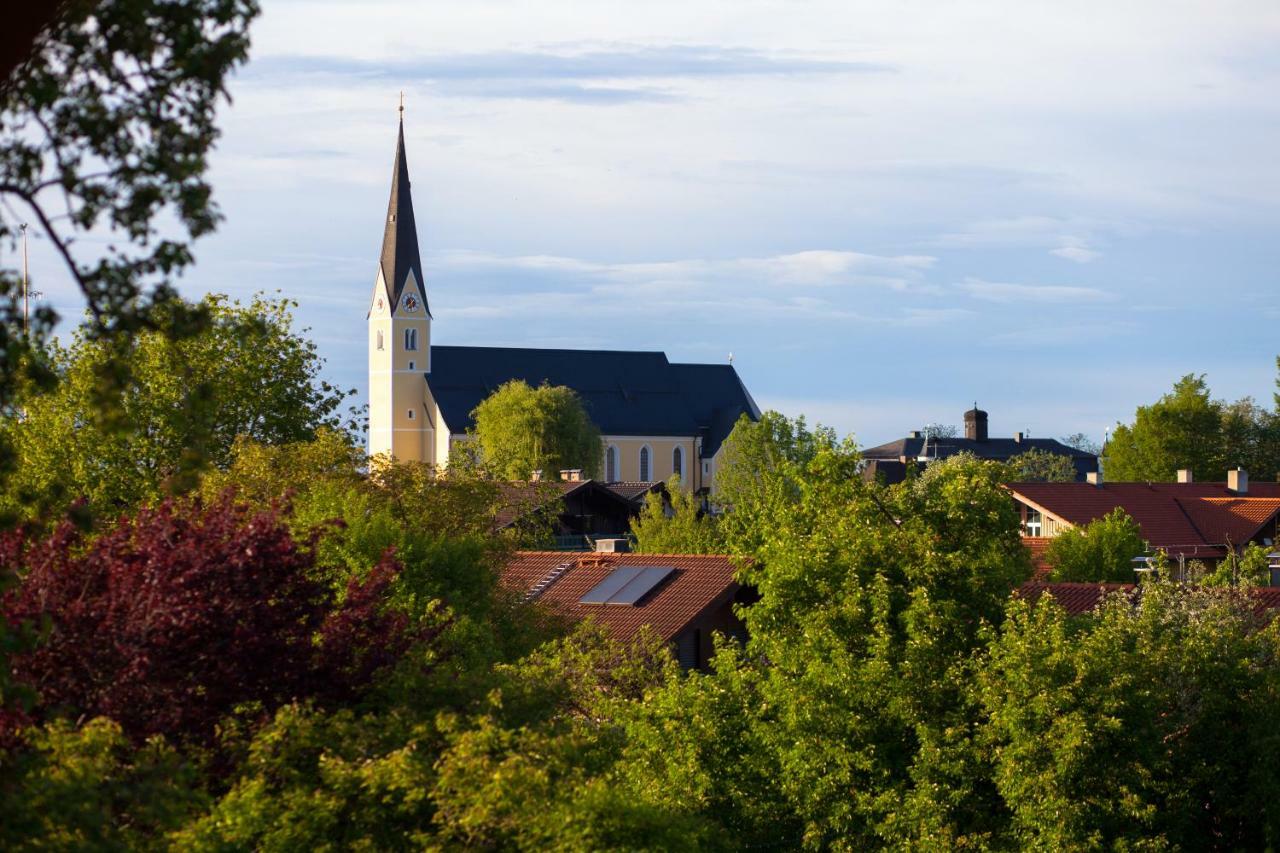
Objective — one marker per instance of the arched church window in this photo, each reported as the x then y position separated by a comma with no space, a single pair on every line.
644,464
677,461
379,340
410,339
611,464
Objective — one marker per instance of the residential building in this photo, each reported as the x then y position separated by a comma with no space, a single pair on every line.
658,418
684,599
1186,520
891,462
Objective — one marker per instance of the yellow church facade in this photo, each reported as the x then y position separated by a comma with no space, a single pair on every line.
658,418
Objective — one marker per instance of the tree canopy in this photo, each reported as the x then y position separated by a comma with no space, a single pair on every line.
520,430
1187,428
186,400
1102,550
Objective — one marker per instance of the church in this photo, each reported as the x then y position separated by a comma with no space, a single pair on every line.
658,418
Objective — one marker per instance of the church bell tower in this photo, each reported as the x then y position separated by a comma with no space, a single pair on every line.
400,417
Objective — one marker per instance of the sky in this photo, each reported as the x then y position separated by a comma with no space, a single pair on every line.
886,211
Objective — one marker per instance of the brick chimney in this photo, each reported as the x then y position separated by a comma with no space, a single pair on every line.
975,424
1238,481
1185,476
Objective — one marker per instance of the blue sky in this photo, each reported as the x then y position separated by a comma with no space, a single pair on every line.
885,210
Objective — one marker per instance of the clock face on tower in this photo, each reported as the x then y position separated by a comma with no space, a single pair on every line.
410,303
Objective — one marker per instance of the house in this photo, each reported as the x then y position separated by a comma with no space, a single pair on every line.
573,509
685,599
1186,520
891,462
658,418
1079,599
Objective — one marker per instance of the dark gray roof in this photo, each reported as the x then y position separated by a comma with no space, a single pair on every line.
992,448
625,393
400,239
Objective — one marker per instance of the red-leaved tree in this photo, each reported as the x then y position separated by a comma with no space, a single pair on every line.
184,611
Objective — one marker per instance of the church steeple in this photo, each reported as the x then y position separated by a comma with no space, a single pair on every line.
400,240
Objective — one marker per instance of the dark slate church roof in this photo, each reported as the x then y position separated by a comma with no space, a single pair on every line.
400,239
625,393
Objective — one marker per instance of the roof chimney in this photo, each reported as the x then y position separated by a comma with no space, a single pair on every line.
1017,437
536,476
915,433
975,424
1093,478
1238,481
1185,476
613,546
571,475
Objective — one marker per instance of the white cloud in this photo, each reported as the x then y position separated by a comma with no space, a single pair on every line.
1079,254
996,291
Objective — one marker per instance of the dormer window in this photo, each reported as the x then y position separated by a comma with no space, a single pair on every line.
411,339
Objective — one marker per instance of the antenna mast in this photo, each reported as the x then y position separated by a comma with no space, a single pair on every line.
26,306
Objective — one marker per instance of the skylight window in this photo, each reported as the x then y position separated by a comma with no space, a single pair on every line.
627,585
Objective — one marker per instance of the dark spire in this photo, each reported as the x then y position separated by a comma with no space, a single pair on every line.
400,241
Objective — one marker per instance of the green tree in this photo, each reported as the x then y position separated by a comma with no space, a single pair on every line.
521,430
684,529
183,407
1183,429
1248,569
1040,466
872,609
88,788
1149,726
1101,551
763,464
107,129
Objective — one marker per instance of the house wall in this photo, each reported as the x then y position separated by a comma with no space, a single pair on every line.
717,620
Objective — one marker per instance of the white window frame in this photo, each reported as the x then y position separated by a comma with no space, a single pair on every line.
411,414
411,339
644,459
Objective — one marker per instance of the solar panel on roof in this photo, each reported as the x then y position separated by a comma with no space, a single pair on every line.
641,585
608,587
627,585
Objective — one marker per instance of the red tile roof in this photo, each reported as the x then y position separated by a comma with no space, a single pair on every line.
1081,598
1195,519
1076,598
698,584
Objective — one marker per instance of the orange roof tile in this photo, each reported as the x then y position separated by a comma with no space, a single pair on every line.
1194,519
698,584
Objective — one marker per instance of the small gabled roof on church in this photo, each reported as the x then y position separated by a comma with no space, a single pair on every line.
624,392
400,239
